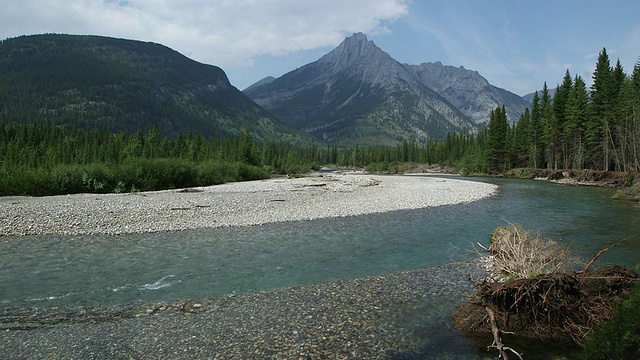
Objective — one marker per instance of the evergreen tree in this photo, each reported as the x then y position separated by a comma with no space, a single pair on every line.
522,141
616,110
560,100
599,126
497,140
630,96
535,132
576,114
549,126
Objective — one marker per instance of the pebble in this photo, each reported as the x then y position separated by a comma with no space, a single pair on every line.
403,316
374,318
234,204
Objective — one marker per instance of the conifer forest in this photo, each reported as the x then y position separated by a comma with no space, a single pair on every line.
577,127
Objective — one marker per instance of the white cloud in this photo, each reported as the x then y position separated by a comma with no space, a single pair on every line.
226,33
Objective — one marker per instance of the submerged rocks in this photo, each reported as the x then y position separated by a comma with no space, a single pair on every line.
378,317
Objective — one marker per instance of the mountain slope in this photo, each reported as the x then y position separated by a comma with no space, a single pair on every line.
123,85
469,91
358,94
259,83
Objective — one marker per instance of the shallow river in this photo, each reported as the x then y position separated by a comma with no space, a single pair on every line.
110,270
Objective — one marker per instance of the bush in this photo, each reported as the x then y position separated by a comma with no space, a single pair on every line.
135,174
23,181
251,172
619,338
520,254
211,173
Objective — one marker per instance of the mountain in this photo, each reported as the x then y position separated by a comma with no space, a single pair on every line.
124,85
529,97
259,83
358,94
468,91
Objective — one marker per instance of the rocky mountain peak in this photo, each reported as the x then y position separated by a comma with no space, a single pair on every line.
357,93
362,58
353,48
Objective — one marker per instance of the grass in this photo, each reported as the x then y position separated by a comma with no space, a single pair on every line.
522,254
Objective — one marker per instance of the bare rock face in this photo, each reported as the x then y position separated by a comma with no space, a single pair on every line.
468,91
358,93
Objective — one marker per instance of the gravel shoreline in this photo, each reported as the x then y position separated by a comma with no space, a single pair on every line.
406,315
233,204
399,316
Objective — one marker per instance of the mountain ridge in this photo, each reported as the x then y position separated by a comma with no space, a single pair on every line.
355,94
98,82
357,90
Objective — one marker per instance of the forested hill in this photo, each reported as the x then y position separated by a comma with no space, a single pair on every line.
124,85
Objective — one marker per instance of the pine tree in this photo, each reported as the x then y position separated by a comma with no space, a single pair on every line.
599,129
522,140
631,116
560,100
576,114
549,133
535,132
497,140
616,111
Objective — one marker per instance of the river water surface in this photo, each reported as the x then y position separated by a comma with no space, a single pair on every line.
47,271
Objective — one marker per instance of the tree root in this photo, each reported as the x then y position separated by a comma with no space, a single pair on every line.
553,307
497,341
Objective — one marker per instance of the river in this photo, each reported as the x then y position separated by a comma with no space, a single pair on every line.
48,271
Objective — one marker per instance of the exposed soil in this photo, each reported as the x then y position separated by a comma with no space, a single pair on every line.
577,177
561,307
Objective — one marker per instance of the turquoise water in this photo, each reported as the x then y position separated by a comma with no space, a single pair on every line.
49,271
99,270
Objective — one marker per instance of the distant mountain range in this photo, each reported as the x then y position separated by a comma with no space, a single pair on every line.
358,94
124,85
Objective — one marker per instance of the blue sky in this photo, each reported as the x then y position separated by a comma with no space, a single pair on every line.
516,45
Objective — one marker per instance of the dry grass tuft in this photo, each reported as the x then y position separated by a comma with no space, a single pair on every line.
520,254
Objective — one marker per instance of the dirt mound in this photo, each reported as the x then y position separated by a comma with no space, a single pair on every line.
563,307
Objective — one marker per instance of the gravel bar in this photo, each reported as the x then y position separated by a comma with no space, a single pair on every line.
232,204
406,315
400,316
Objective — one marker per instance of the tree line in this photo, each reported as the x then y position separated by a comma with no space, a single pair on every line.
47,159
576,128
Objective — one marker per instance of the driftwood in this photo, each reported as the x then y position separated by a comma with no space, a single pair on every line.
497,341
605,250
562,307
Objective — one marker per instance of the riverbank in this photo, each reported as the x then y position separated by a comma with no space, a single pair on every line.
233,204
379,317
612,179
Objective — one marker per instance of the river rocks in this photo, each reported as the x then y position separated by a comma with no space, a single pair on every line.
233,204
404,315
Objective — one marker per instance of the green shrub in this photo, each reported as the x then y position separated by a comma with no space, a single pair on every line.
165,173
620,337
31,182
251,172
211,173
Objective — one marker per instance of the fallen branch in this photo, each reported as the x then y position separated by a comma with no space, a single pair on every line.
482,246
497,342
605,250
